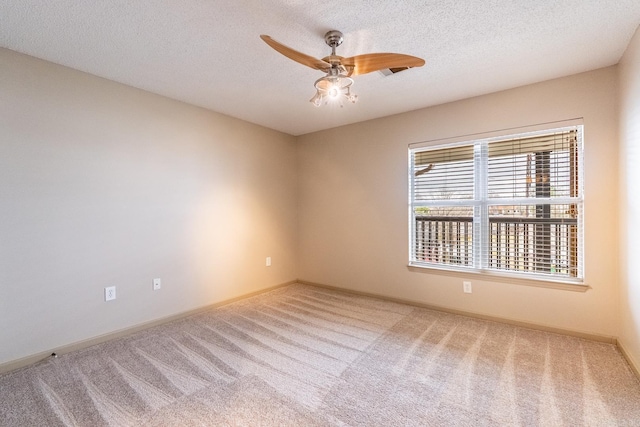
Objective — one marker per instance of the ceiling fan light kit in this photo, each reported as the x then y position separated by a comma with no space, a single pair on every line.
335,86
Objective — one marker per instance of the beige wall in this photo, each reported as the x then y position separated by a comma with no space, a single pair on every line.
353,204
630,199
102,184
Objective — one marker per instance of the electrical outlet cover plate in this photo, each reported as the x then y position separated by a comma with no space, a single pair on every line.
157,284
109,293
466,287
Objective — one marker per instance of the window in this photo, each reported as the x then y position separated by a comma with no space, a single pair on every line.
511,205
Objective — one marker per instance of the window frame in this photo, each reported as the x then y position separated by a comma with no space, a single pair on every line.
480,202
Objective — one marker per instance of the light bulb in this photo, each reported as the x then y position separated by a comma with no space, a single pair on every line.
334,92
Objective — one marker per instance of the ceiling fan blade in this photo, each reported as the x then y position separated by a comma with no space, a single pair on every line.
367,63
303,59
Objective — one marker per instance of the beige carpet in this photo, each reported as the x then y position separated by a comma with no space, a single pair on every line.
305,356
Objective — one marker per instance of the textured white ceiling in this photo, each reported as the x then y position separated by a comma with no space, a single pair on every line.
208,52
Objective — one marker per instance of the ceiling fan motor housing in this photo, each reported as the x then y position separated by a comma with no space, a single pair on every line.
333,38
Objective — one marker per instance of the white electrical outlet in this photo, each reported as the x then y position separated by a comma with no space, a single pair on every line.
466,287
109,293
157,284
268,261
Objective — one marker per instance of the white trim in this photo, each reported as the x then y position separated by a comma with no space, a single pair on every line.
481,200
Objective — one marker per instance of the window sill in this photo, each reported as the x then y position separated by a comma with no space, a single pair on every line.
514,279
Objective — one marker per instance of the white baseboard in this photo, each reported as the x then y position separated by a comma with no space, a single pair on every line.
578,334
79,345
635,367
35,358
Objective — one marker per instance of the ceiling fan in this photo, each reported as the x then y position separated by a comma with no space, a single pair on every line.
336,84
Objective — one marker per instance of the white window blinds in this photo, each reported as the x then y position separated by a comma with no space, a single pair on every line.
510,205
